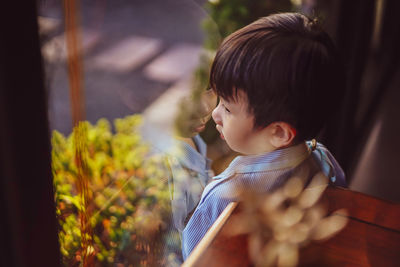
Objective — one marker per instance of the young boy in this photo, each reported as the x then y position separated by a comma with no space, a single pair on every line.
277,80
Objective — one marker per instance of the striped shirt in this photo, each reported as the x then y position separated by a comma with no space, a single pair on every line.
261,173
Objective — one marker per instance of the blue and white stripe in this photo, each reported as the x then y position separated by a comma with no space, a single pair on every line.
261,173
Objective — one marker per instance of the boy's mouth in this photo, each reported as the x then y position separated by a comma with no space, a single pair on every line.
220,131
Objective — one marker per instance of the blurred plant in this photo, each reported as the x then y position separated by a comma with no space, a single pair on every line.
130,203
227,16
280,223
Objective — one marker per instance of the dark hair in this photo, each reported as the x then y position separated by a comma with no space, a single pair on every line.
287,66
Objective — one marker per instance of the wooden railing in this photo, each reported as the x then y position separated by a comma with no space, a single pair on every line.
371,237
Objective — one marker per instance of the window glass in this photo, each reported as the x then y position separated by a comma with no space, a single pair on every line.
116,74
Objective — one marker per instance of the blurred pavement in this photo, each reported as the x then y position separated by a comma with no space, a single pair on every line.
134,52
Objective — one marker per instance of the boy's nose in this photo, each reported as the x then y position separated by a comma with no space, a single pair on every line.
216,116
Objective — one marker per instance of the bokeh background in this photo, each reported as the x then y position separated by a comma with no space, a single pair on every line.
142,57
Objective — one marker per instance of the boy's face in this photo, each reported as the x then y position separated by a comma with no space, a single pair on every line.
236,125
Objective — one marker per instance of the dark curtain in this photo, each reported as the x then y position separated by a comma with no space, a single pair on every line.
28,233
369,64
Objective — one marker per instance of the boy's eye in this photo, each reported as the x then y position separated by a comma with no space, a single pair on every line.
223,104
226,109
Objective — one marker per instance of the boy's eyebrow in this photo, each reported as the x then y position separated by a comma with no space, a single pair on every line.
231,100
223,99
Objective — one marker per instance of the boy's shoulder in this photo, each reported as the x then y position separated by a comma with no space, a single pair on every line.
216,189
267,172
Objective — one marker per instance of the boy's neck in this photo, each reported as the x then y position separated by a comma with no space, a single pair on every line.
279,148
273,148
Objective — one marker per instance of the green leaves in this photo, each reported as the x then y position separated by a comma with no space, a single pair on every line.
130,203
230,15
70,200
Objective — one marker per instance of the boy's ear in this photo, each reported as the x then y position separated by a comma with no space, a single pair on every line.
282,134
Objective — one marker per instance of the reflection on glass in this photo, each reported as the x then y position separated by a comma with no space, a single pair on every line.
112,191
195,111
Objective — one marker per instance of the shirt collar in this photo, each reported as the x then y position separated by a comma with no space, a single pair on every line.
278,159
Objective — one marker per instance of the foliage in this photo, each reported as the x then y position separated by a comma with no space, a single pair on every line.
129,204
231,15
